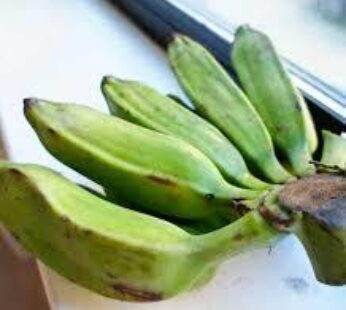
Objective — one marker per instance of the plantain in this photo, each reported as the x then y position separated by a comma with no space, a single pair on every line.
109,249
143,105
221,101
150,170
276,99
334,150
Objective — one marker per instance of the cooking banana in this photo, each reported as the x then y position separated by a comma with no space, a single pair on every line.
185,188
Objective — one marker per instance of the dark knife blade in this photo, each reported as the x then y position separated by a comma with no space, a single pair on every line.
160,19
21,284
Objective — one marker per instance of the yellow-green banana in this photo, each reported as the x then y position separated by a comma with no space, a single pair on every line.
145,106
145,168
112,250
275,98
220,100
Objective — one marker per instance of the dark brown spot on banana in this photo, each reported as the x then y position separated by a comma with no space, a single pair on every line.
87,232
16,172
65,219
275,220
52,131
238,237
239,207
298,106
67,234
161,180
110,275
28,103
137,294
209,196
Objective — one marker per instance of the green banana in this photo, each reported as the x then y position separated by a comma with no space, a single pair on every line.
218,99
275,98
147,169
143,105
111,250
334,150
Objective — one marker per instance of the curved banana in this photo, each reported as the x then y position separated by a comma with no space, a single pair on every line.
218,99
111,250
275,98
143,105
147,169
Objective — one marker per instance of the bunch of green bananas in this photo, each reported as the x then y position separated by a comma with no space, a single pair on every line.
232,174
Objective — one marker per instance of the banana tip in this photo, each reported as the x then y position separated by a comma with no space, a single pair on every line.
109,79
178,37
242,28
29,103
106,79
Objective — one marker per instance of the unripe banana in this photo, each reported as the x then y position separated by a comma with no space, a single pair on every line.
143,105
109,249
275,98
218,99
334,150
147,169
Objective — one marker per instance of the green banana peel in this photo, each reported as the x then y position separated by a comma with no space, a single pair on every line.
334,150
114,251
145,106
218,99
275,98
153,171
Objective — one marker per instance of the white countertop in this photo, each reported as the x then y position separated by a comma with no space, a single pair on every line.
60,50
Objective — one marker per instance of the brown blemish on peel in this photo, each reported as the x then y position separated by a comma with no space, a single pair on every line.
15,172
110,275
298,106
87,232
239,207
209,196
275,220
161,180
28,103
67,234
52,131
65,219
137,294
238,237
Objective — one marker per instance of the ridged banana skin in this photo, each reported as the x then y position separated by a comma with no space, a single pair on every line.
114,251
221,101
275,98
334,150
310,129
150,170
145,106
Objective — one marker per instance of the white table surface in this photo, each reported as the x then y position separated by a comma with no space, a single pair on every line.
60,50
